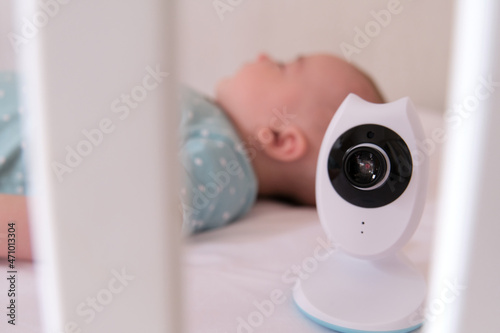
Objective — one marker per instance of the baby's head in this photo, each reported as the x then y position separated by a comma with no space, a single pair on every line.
282,111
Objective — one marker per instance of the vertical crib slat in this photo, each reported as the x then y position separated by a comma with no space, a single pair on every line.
100,91
466,270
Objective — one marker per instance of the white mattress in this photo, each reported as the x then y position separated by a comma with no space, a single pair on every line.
228,271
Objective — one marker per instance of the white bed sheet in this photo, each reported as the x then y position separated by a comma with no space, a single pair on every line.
228,271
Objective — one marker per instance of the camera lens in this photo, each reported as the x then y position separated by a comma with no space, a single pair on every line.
369,172
365,166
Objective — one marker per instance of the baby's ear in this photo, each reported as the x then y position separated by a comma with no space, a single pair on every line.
287,144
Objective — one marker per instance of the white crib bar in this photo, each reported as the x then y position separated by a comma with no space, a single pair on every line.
100,88
466,270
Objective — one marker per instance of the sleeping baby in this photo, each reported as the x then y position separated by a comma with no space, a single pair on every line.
261,135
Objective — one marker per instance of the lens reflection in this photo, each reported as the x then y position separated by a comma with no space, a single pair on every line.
364,167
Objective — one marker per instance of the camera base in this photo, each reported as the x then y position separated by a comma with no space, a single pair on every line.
353,295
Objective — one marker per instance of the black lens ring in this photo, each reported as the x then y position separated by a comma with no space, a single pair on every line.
399,172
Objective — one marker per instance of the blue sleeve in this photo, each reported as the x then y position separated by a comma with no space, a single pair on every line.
216,189
12,174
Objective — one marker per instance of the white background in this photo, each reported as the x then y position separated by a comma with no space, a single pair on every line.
409,57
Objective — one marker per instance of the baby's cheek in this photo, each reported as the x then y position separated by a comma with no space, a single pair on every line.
220,88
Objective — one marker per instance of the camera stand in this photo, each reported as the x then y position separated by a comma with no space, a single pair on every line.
353,295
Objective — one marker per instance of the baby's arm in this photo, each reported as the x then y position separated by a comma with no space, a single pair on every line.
14,209
218,188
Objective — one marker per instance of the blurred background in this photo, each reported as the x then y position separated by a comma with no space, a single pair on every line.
406,57
406,52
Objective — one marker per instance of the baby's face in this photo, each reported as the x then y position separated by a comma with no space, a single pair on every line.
250,96
256,89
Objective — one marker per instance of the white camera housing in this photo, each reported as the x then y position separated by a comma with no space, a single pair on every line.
371,185
373,232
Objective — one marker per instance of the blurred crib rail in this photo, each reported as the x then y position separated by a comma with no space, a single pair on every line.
100,81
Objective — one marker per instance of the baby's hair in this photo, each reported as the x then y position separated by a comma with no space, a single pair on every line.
379,98
376,89
365,87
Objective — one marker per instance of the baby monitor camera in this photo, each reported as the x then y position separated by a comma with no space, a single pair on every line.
370,194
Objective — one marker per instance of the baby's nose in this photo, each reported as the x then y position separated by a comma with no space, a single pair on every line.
263,57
